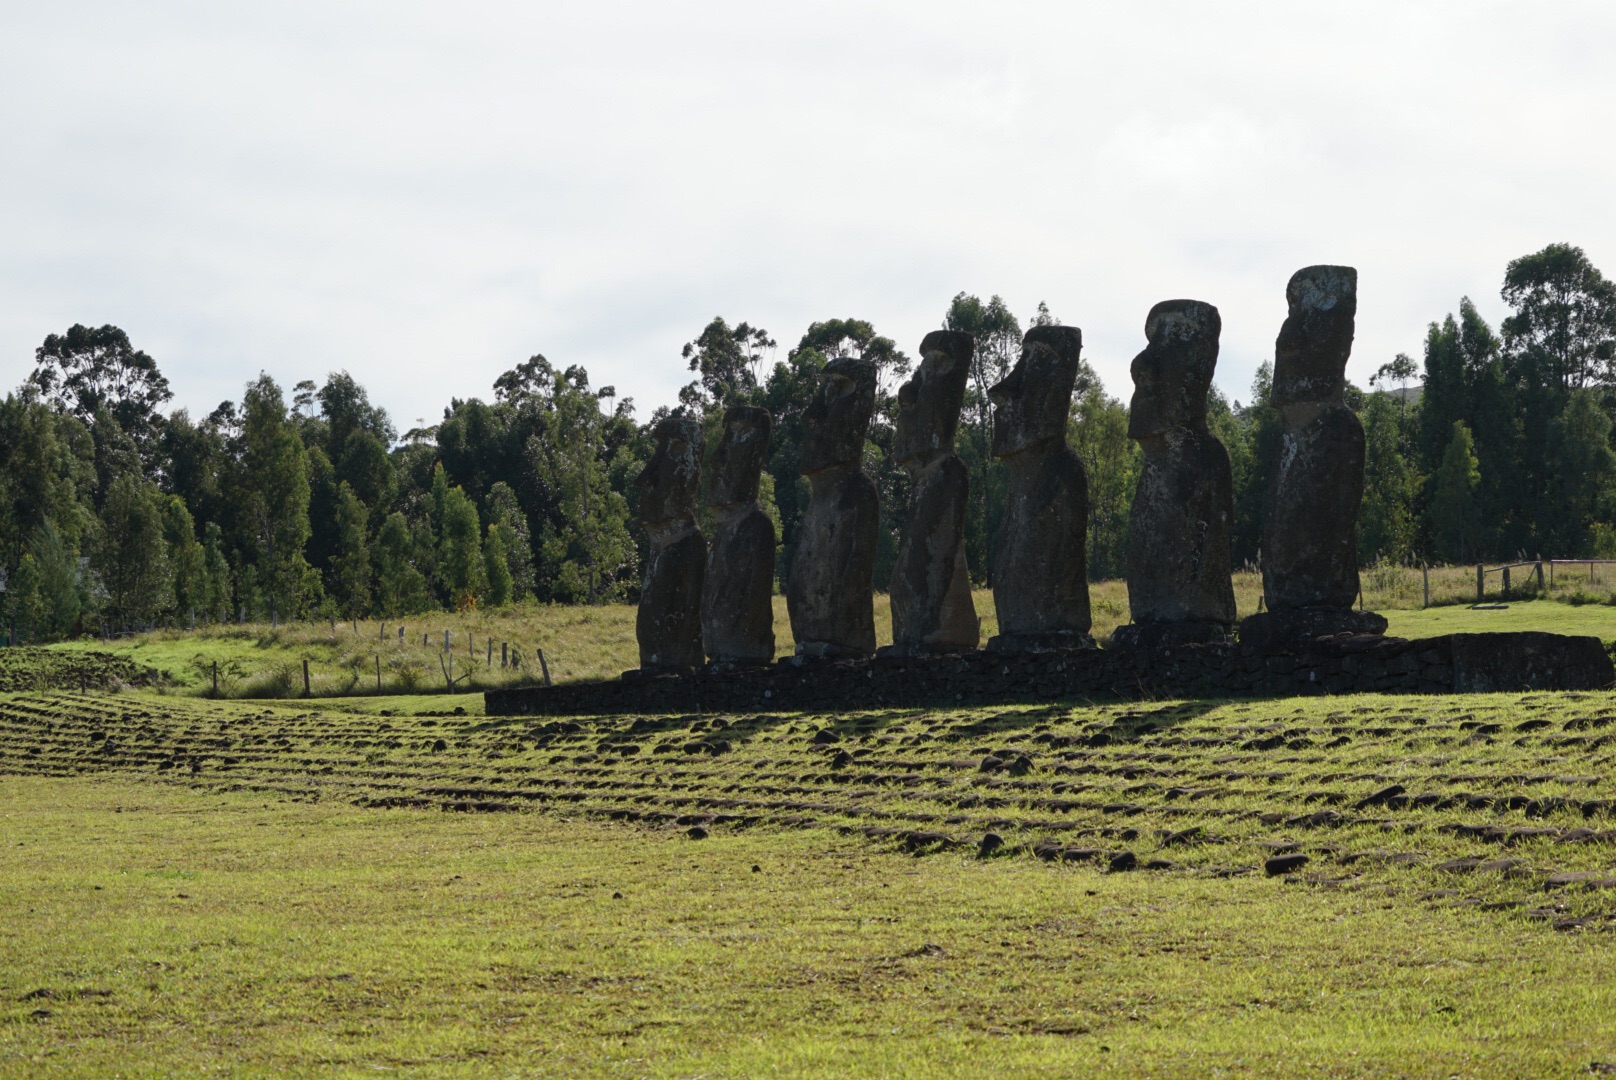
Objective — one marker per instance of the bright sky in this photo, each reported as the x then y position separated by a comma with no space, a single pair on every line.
426,194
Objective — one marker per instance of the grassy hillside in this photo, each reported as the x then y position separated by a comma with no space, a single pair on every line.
598,642
196,885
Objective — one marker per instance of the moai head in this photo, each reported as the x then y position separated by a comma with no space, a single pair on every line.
839,416
668,482
1033,402
929,403
1310,357
1172,376
732,472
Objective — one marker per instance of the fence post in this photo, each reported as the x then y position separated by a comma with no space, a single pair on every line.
216,678
378,673
1425,572
490,652
305,678
544,667
1540,585
1506,583
401,636
446,645
504,653
1480,588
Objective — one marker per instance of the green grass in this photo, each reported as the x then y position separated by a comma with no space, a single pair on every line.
222,889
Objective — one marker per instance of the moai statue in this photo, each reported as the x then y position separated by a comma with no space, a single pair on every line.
669,621
1310,548
1040,580
831,596
737,609
1179,589
931,588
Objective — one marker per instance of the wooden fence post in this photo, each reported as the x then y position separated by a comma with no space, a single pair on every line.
544,667
305,678
1425,572
1480,587
216,678
504,653
1506,583
1540,586
378,673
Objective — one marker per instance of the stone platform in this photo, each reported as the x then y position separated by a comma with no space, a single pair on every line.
1345,664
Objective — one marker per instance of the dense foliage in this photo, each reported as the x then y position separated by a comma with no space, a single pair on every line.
113,514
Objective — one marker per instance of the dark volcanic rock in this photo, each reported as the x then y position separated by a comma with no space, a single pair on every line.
1484,663
1178,534
737,609
831,598
1310,548
931,588
1284,864
669,622
1040,582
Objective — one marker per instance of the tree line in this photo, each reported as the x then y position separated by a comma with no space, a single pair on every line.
117,515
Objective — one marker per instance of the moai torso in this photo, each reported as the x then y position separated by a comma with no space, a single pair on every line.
1040,579
1179,588
832,587
1310,540
932,609
668,625
737,609
1310,547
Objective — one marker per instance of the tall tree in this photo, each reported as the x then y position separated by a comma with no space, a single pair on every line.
1386,524
1583,467
1565,316
460,551
273,494
401,589
130,555
350,564
727,360
87,370
1453,505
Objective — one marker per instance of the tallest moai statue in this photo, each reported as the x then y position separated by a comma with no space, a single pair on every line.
1310,546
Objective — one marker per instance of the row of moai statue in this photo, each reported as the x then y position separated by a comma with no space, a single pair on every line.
712,602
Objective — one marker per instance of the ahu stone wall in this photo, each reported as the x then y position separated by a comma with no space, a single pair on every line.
1361,663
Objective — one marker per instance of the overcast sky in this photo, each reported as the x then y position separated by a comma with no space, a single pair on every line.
427,194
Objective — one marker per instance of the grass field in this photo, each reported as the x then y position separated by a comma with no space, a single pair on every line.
195,886
598,642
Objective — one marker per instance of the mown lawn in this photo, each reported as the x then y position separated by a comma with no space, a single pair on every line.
191,886
153,931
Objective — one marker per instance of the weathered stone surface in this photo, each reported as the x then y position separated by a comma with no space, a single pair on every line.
1040,581
1179,588
1344,665
1485,663
931,587
1275,629
737,609
668,625
831,596
1310,550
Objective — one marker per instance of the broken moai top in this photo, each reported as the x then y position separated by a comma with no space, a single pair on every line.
668,482
1173,374
1179,587
1310,357
931,587
668,625
737,609
1040,582
1310,541
929,403
831,594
